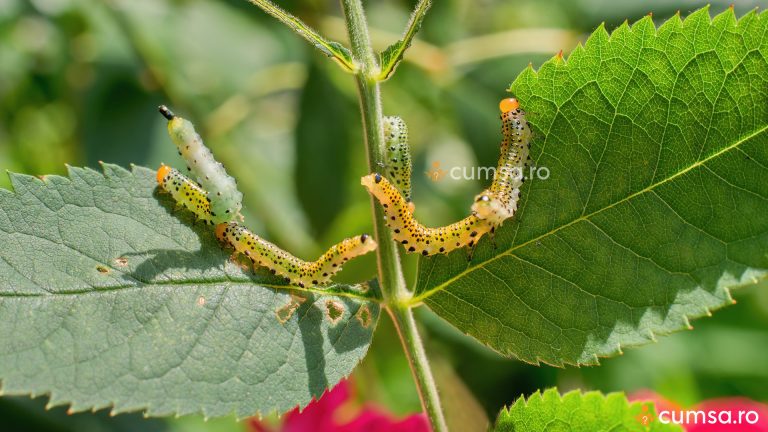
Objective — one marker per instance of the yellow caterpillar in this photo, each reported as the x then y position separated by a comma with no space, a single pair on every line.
185,192
297,271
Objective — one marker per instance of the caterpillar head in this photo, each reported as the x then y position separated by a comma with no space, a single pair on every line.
167,113
508,105
162,172
487,207
363,244
371,180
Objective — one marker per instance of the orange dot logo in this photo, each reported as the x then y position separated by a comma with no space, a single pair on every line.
645,418
436,173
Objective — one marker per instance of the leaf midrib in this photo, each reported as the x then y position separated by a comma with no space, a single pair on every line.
426,294
143,285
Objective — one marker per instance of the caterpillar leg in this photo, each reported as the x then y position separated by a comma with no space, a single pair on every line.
470,252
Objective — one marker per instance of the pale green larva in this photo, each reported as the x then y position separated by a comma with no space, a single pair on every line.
397,162
226,200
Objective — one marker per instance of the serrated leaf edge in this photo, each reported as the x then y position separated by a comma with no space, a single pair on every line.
747,278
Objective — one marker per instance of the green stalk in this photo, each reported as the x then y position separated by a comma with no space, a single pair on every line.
391,279
390,271
417,358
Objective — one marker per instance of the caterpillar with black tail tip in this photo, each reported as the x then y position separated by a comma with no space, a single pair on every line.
190,195
489,209
295,270
185,192
225,199
398,156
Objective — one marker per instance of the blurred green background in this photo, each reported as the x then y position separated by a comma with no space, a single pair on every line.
80,81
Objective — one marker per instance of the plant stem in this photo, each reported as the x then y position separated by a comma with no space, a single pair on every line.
391,281
390,271
417,358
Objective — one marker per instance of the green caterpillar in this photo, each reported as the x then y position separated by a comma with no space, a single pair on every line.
489,209
297,271
398,156
226,201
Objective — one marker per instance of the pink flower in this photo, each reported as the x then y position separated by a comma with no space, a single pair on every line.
335,411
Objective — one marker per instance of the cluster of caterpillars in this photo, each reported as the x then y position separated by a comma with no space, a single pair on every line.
214,199
489,209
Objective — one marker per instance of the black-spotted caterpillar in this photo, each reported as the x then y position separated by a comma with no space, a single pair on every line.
190,195
185,192
516,138
297,271
397,162
225,200
489,210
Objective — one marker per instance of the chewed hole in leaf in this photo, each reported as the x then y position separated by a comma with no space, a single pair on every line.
363,316
363,288
334,311
285,312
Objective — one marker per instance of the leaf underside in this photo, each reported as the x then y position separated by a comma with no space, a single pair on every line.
656,142
109,298
575,412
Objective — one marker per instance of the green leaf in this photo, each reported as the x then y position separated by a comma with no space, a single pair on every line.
393,54
656,142
574,411
332,49
109,299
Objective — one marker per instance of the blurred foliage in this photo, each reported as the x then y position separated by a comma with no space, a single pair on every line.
80,80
